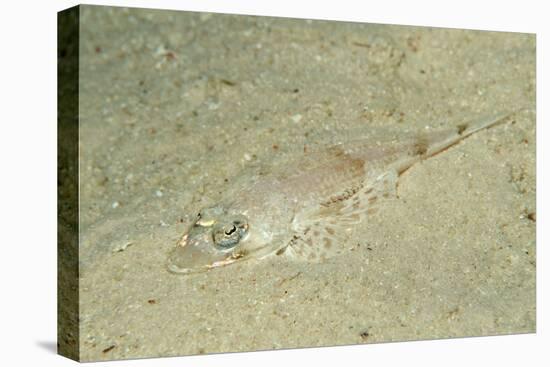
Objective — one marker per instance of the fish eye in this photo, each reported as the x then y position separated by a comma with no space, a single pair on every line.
230,231
228,235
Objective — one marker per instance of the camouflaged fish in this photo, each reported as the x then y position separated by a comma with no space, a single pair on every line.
305,209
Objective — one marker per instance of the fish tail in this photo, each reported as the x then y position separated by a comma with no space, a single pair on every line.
466,129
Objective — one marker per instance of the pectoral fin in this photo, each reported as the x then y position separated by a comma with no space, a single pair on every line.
323,232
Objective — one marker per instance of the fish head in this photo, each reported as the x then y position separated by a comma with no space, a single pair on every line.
217,237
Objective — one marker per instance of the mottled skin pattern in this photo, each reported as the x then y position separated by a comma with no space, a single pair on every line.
305,207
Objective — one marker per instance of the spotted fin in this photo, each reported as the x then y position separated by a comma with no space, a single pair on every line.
324,232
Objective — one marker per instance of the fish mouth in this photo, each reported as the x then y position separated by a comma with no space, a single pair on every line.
198,254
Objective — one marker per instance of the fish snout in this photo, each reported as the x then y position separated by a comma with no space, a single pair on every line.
195,253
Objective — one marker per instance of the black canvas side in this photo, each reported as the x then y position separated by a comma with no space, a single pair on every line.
68,43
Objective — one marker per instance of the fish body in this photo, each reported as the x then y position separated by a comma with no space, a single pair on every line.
305,208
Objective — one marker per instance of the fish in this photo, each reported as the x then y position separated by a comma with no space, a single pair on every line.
305,208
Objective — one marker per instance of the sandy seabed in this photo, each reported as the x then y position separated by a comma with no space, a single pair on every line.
174,106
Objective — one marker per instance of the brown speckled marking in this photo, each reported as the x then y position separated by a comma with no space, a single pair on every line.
420,146
373,199
461,128
327,242
345,165
372,211
348,193
329,230
337,151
